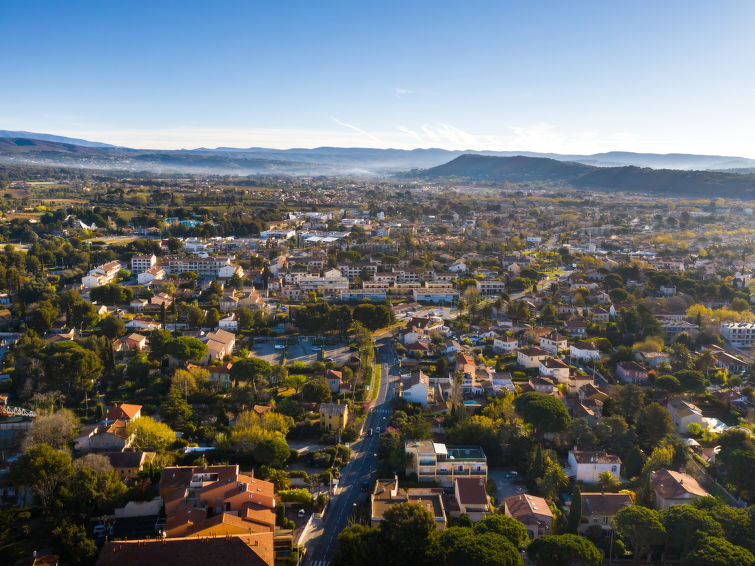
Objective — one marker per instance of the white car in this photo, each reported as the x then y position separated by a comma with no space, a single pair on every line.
316,348
280,346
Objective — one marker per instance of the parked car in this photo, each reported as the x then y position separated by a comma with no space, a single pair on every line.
377,429
280,346
316,348
364,487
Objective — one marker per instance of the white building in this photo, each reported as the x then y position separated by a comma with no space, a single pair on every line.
584,351
102,274
530,357
142,262
738,333
588,465
416,389
155,273
505,345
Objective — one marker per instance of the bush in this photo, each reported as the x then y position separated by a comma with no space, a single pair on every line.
297,495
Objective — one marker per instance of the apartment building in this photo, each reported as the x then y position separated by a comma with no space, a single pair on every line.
102,274
738,333
142,262
433,461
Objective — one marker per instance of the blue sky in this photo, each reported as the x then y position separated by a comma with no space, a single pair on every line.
568,77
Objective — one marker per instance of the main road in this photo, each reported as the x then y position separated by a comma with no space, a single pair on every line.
361,468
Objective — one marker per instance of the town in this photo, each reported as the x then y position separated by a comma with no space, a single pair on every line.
332,371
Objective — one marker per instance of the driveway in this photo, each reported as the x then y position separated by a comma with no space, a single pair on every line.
506,487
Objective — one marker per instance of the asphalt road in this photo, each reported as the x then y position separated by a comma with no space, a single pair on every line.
362,467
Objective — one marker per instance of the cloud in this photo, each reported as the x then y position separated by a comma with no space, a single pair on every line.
401,92
356,129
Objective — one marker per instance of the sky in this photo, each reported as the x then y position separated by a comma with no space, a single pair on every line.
564,77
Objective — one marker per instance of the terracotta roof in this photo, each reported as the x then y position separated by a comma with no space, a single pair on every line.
533,351
673,485
250,549
122,411
604,504
554,363
471,491
523,506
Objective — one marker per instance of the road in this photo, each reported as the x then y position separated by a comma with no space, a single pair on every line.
362,467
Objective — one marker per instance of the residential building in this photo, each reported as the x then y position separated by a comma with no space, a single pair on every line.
683,414
387,493
553,343
584,351
631,372
505,345
243,548
471,497
491,286
555,368
102,274
531,357
433,461
675,488
333,416
416,389
599,508
128,464
532,511
587,465
154,273
219,344
123,411
142,262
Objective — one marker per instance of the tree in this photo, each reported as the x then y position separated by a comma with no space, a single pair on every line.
504,525
245,318
358,544
684,525
563,550
608,482
43,317
184,382
69,363
717,551
653,423
641,526
212,318
112,327
272,451
295,382
55,429
158,343
44,469
628,400
668,383
253,370
544,412
575,511
150,434
74,545
316,391
194,316
464,546
409,531
175,410
186,348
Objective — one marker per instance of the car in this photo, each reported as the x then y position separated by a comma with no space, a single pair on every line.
512,475
377,429
347,445
99,530
316,348
364,487
280,346
370,432
328,359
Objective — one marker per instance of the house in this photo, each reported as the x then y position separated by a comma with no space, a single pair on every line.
123,411
576,328
584,351
655,359
436,462
137,305
333,416
530,357
505,345
553,343
416,389
128,464
155,273
587,465
142,324
106,436
220,375
228,303
555,368
219,344
599,508
131,343
387,493
161,300
532,511
675,488
683,414
229,323
631,372
471,497
731,363
250,549
334,379
142,262
102,274
542,384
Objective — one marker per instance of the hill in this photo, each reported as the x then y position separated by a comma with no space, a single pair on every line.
636,179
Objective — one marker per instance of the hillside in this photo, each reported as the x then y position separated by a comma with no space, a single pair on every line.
534,169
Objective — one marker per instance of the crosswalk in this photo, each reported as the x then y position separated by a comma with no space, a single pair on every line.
383,411
319,563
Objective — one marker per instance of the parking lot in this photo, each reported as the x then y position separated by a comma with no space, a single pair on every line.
506,486
303,351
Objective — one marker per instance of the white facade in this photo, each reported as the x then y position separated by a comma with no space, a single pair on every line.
587,466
